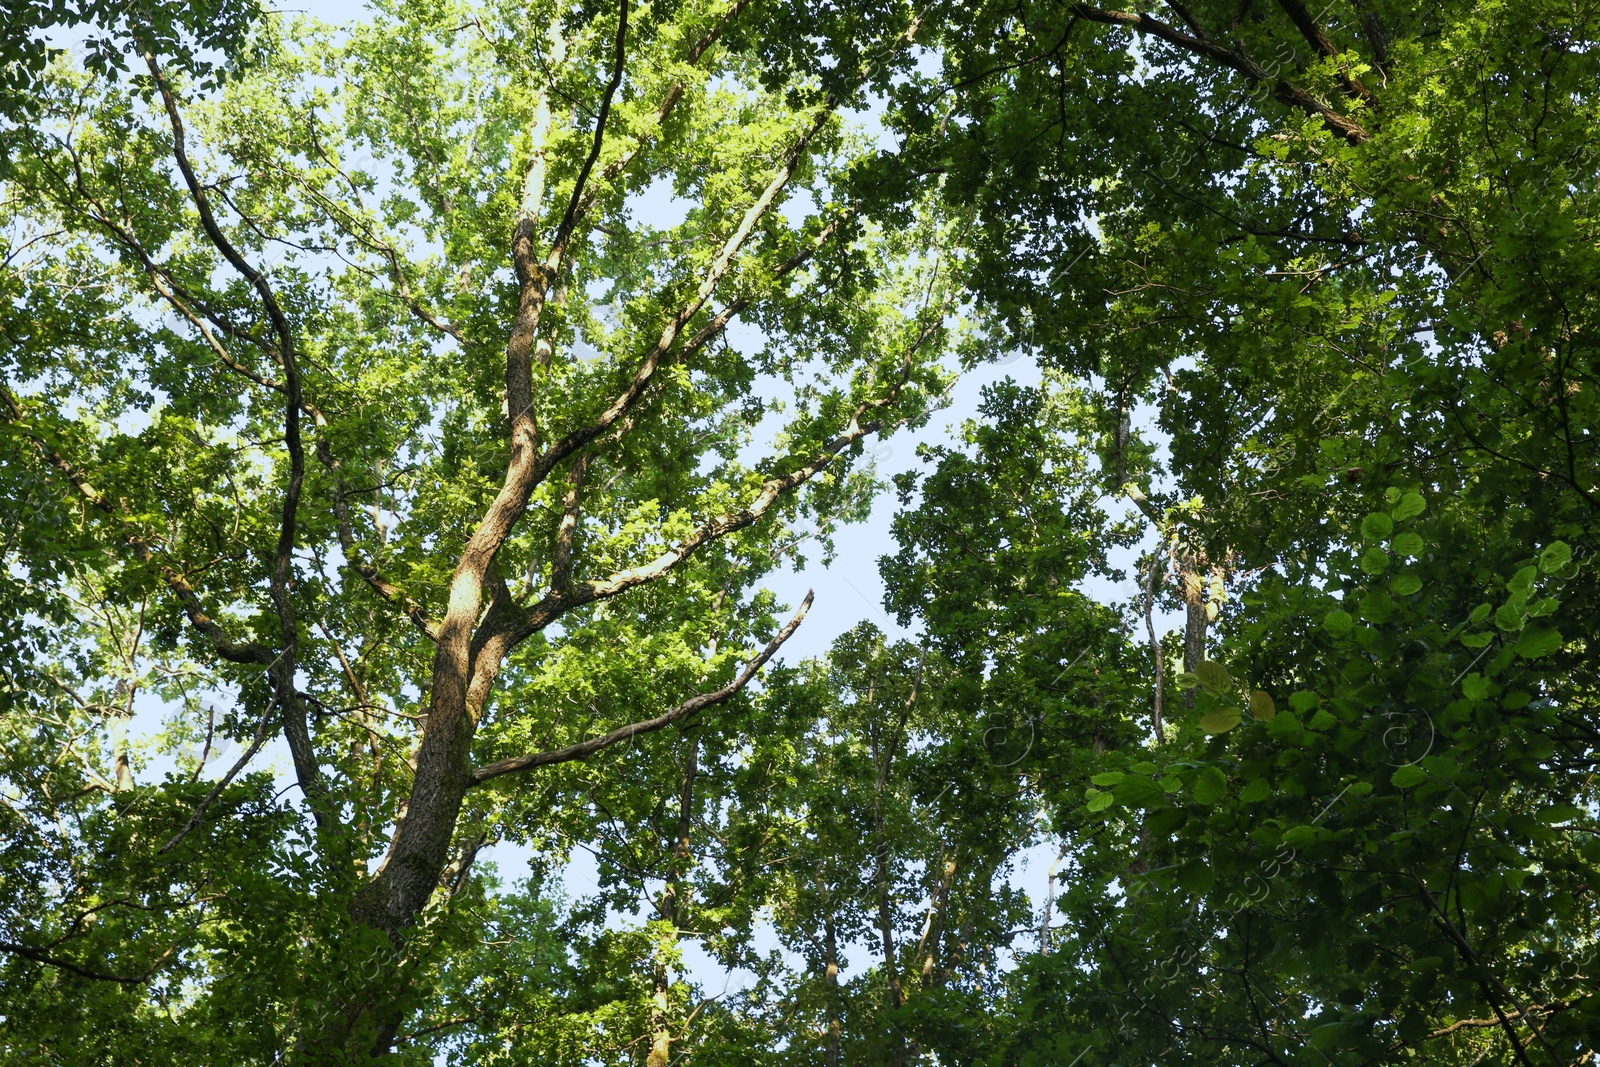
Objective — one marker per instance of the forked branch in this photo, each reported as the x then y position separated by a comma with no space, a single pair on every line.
699,702
560,601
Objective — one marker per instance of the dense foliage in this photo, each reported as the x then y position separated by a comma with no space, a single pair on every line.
429,400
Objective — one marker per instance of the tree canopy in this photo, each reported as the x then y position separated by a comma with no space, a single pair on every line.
434,398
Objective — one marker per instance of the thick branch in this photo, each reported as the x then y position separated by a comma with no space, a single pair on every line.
39,956
295,729
523,471
1476,1024
1231,58
696,703
558,602
534,276
1320,41
1485,977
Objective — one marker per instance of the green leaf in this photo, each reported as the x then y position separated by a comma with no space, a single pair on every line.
1338,622
1374,560
1108,778
1480,613
1555,556
1538,641
1376,527
1477,640
1187,679
1409,507
1210,786
1214,677
1545,605
1219,720
1285,727
1405,584
1136,792
1196,878
1300,836
1511,616
1408,777
1407,544
1322,720
1521,584
1304,700
1377,606
1262,705
1475,686
1328,1035
1099,801
1258,790
1560,813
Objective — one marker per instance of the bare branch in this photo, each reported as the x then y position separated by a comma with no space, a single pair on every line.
566,532
222,783
584,749
168,293
669,103
656,356
569,219
40,956
533,275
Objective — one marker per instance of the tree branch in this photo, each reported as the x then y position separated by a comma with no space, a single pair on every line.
352,553
282,668
567,531
656,356
558,602
1474,1024
584,749
222,783
1320,41
227,648
39,956
1233,59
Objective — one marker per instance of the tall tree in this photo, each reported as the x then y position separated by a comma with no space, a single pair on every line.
356,404
1329,273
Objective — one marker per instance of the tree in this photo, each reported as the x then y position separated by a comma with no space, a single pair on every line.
382,425
1314,253
353,404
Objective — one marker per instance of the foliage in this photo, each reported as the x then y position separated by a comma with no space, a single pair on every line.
360,413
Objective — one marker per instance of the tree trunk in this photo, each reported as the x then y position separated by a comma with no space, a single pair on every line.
831,976
672,907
